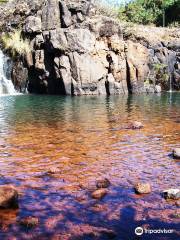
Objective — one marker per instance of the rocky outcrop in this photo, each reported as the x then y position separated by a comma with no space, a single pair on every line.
8,197
77,51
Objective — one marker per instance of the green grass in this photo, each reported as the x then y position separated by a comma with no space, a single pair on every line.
3,1
15,44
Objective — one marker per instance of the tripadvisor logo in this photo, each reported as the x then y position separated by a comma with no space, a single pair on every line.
139,231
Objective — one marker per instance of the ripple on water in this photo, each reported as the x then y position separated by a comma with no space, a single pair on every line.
86,139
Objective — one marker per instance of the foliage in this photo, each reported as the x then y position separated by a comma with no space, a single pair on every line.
3,1
105,9
151,11
15,44
161,74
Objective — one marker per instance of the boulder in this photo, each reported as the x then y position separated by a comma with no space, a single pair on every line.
142,188
99,194
29,222
136,125
171,194
33,25
103,183
8,197
80,40
176,153
53,170
57,40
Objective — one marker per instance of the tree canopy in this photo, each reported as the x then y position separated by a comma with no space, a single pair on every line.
159,12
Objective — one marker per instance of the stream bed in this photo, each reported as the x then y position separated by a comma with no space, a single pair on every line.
86,138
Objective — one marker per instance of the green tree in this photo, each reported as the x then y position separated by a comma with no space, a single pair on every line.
150,11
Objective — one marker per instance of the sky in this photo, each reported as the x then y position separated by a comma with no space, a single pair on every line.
116,2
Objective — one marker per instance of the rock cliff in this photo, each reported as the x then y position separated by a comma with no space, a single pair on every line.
75,50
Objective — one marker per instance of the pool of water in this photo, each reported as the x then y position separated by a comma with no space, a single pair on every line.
86,139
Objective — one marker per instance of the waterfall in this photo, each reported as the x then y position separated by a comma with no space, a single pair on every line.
6,85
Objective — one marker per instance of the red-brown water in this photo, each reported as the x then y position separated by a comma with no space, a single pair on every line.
86,139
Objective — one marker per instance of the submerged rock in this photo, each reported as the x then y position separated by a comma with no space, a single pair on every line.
142,188
171,194
53,170
178,203
136,125
103,183
8,197
99,194
176,153
29,221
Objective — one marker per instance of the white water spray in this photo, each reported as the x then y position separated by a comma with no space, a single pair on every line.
6,85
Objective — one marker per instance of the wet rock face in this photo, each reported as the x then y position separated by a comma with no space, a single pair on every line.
77,51
8,197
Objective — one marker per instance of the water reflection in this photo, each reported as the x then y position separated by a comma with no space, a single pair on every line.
86,138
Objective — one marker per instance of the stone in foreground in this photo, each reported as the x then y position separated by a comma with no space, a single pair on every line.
103,183
142,188
99,194
8,197
53,170
136,125
176,153
29,222
172,194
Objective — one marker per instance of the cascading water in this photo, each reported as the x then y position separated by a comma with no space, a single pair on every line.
6,85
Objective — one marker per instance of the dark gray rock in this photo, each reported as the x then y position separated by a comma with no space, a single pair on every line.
65,15
78,51
33,25
50,15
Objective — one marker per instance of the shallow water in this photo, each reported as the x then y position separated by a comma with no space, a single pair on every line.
86,138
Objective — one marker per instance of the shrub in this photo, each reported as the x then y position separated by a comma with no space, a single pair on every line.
15,44
105,9
161,74
159,12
